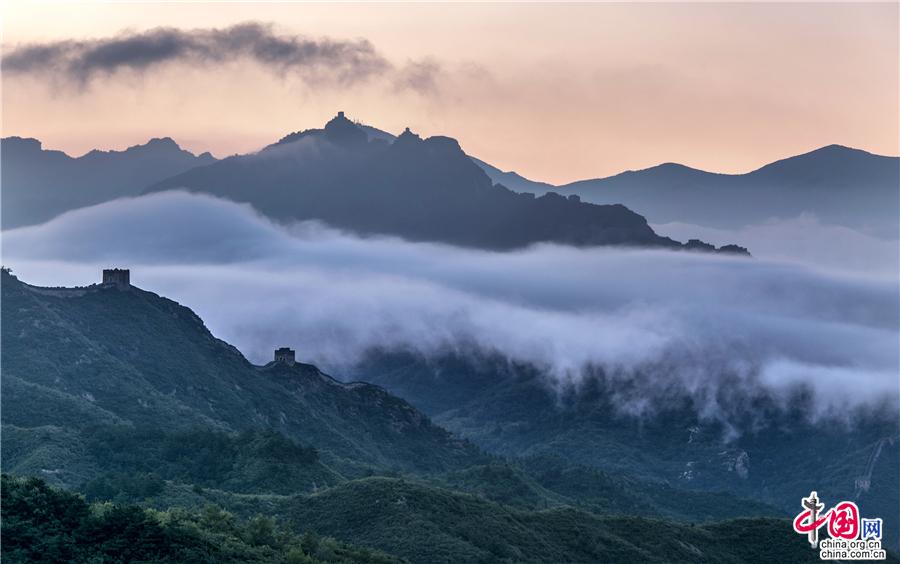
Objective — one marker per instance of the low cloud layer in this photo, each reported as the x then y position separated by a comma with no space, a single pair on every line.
690,322
312,60
805,240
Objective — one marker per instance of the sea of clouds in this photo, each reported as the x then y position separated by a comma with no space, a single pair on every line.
683,318
803,239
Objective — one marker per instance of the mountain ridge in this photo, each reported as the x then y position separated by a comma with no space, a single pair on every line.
837,184
376,133
185,377
419,189
154,143
39,184
175,419
664,193
832,148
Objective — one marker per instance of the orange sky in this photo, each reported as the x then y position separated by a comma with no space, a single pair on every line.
556,92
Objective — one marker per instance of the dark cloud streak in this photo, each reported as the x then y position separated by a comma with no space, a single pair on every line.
312,60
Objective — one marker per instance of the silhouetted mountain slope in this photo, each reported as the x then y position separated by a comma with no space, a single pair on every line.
511,179
87,357
419,189
39,184
838,184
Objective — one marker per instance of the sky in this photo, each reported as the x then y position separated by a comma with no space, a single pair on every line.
555,92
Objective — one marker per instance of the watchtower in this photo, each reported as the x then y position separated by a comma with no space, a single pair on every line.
120,278
285,355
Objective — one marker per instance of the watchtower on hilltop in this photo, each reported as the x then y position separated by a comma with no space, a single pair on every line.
119,278
285,355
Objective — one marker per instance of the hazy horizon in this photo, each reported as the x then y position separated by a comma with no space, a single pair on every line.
277,136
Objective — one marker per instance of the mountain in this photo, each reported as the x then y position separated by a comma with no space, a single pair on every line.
414,519
418,189
125,396
100,383
381,512
548,481
839,185
763,451
423,524
39,184
510,179
513,180
78,359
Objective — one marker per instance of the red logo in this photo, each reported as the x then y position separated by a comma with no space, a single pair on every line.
843,519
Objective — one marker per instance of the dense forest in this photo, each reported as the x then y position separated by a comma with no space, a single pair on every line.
46,524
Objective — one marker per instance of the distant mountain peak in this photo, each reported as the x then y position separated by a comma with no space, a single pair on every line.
29,141
156,145
19,145
341,131
828,160
840,185
155,148
40,183
829,151
836,148
407,139
161,142
668,168
444,142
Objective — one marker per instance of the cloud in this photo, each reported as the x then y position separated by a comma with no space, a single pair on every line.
419,76
655,323
313,60
803,239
